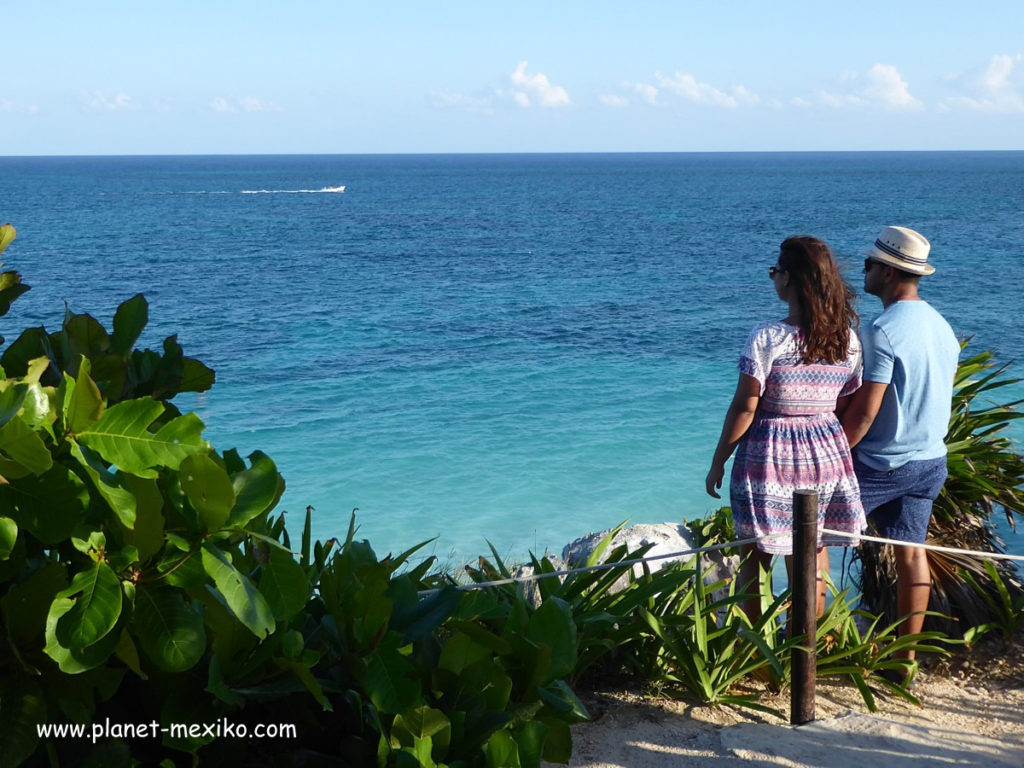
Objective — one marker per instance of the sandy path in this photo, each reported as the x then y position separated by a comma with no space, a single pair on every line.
966,719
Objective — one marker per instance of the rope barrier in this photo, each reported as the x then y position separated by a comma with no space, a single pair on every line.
605,566
714,548
932,547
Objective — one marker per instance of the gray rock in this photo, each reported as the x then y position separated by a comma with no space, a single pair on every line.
666,538
529,589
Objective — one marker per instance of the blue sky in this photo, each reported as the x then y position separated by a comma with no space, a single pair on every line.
315,76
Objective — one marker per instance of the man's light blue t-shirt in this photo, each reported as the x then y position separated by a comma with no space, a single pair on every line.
911,347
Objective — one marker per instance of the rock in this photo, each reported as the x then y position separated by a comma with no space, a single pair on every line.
529,589
667,539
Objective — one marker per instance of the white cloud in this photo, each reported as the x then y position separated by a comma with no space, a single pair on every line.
98,100
613,100
243,104
539,87
998,87
882,86
14,108
647,92
688,87
447,100
887,86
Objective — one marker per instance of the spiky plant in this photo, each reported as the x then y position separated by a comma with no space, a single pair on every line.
986,472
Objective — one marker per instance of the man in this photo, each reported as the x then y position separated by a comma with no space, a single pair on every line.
898,419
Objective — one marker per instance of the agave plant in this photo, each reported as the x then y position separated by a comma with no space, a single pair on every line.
986,472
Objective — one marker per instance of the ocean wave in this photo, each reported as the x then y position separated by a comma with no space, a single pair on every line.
321,191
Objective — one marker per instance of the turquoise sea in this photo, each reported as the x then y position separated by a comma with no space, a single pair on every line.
507,348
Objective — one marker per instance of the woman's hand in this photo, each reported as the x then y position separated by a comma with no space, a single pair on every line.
714,479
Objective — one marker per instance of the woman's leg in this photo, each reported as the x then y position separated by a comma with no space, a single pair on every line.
821,569
754,561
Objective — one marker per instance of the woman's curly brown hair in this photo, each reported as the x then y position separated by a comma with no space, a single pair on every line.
825,300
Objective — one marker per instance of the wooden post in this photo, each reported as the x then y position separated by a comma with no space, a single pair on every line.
803,617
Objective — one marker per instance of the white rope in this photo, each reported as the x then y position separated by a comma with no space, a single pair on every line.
605,566
933,547
715,547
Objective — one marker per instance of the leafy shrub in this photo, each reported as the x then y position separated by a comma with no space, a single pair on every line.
145,578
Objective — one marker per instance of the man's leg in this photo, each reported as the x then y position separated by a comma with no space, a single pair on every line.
913,590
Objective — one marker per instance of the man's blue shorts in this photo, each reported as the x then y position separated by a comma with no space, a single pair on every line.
899,501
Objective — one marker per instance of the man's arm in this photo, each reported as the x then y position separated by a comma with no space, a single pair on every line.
861,413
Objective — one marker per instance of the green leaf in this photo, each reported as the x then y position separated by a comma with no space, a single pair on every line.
284,584
8,536
169,630
391,681
111,486
83,337
48,506
208,489
421,723
25,606
83,402
501,751
96,609
74,661
129,321
238,594
20,444
530,737
122,437
39,407
148,534
22,709
195,376
11,399
461,651
257,489
31,344
552,625
416,618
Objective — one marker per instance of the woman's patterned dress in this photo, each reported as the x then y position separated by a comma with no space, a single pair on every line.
795,442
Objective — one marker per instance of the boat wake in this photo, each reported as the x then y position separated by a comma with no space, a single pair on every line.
321,191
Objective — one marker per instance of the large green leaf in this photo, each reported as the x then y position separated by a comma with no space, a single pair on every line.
31,344
73,661
209,490
83,337
39,409
25,606
22,710
22,447
169,629
8,536
11,398
421,723
129,321
552,625
97,593
195,376
83,403
237,593
48,506
122,437
110,485
256,489
148,533
284,584
391,681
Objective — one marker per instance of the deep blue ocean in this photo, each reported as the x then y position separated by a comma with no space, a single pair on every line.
509,348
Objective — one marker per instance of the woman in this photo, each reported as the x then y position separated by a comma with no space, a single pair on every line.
794,375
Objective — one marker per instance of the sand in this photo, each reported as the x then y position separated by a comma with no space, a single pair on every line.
972,713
